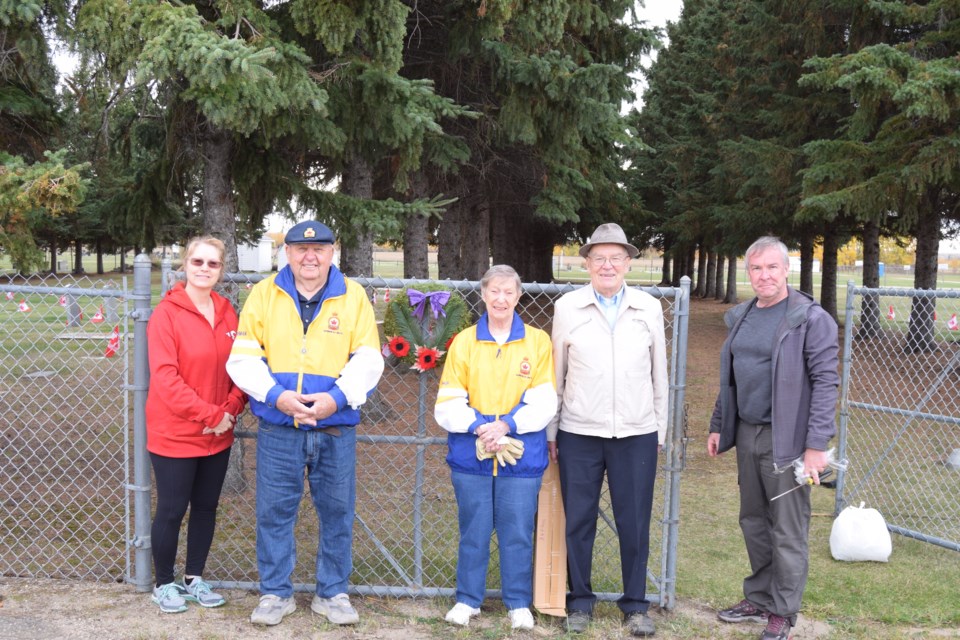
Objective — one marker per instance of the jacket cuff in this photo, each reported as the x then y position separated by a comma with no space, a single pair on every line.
339,397
273,394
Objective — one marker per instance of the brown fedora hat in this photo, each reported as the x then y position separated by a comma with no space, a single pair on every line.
609,233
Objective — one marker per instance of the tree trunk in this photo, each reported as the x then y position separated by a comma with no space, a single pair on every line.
920,335
828,279
219,210
701,253
448,238
77,257
806,263
710,290
99,248
53,255
731,297
721,263
356,250
475,240
538,266
665,269
415,233
870,305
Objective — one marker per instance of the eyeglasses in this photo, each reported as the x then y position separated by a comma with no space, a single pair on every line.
615,261
213,264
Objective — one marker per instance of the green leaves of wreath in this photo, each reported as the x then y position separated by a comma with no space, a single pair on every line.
432,333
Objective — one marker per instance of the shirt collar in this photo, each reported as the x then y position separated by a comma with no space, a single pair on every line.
610,302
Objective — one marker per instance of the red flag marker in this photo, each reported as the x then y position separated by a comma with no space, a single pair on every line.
890,314
952,323
62,301
23,306
113,344
98,316
386,296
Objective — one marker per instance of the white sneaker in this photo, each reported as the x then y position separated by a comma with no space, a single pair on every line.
461,614
272,610
337,609
521,618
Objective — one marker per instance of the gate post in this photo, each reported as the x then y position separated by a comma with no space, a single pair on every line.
141,543
676,445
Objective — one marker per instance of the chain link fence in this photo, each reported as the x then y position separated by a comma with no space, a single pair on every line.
900,410
405,535
76,476
64,447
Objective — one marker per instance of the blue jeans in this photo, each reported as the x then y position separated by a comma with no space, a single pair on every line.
330,461
507,505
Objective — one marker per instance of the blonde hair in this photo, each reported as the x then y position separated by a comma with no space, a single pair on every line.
216,243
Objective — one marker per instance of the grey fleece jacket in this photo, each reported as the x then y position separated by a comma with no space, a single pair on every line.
805,380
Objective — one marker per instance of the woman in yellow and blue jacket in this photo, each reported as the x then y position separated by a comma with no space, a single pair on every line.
497,394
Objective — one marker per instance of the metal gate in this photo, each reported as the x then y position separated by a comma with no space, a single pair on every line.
405,535
900,410
64,429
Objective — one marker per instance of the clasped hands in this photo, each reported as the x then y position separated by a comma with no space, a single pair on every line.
226,423
295,405
492,441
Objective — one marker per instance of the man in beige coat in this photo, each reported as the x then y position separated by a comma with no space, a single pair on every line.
610,353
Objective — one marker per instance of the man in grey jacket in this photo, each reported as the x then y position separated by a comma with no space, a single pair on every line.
777,404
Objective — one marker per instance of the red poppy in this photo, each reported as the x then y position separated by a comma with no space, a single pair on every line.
399,346
427,358
447,346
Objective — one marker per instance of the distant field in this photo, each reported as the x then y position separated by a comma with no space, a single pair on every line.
644,271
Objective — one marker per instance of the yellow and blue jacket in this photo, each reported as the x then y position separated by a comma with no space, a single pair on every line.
483,381
339,353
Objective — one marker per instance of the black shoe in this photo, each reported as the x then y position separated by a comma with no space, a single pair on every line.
578,621
777,628
640,624
743,611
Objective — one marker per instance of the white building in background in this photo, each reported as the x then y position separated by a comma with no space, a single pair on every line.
256,257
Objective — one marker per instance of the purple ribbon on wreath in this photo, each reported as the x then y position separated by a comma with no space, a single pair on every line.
418,300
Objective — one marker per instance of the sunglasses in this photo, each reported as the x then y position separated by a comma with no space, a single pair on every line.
213,264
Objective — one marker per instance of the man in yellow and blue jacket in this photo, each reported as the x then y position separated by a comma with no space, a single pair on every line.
307,353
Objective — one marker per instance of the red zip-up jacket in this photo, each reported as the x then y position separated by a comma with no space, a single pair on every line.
189,385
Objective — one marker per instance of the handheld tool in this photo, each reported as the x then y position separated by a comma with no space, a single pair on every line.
826,474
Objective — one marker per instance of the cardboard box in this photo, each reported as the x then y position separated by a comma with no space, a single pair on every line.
550,553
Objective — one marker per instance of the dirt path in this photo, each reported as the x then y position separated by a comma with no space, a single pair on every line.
33,609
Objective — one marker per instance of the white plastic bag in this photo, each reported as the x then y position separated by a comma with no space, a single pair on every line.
860,534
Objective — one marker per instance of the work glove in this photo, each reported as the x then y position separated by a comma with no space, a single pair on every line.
511,450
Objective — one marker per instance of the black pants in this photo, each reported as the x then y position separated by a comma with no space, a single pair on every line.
180,482
631,468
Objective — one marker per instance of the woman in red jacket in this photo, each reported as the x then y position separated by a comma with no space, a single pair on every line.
192,406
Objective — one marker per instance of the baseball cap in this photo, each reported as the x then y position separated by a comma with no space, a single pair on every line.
309,231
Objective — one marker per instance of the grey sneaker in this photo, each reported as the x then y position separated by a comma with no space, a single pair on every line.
640,624
337,609
578,621
200,592
272,610
169,597
743,611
